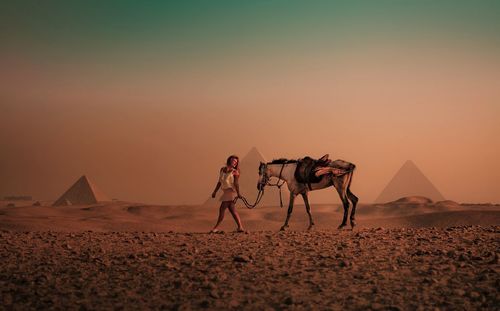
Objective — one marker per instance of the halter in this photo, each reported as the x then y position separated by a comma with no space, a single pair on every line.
277,184
260,194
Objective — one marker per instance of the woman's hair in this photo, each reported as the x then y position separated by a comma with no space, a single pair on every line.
230,158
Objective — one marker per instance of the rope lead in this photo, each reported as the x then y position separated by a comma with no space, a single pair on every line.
248,205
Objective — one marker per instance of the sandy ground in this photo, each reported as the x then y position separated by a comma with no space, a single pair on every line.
126,216
382,269
409,256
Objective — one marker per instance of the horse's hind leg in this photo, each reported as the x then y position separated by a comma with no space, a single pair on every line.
341,189
354,200
289,213
308,210
345,203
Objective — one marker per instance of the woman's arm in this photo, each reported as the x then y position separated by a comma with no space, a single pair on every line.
216,189
218,184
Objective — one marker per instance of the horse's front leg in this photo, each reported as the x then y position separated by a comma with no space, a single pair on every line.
289,213
308,210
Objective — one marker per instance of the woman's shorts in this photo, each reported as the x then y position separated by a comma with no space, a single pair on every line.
228,195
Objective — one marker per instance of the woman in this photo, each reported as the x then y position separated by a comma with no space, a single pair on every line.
228,181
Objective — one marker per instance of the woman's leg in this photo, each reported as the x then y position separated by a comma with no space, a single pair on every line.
222,211
236,216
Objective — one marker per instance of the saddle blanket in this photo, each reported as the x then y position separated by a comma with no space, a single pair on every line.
323,170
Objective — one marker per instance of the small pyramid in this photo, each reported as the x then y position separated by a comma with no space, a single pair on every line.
253,155
409,181
249,168
82,192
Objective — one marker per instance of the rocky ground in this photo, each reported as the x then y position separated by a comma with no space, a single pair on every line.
453,268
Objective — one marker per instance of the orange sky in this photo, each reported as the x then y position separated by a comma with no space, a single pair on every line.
155,128
161,136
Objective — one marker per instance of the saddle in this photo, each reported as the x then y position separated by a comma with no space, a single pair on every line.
306,169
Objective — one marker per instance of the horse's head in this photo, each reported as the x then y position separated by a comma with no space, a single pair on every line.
263,176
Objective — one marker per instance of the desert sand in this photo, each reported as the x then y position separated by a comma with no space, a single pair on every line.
409,212
411,254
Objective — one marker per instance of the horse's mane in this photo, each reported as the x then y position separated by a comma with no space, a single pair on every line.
282,161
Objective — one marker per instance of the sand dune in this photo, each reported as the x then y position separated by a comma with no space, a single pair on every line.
126,216
411,200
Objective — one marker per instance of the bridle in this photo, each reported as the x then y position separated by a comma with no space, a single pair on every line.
265,181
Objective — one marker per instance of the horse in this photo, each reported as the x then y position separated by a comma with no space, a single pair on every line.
285,170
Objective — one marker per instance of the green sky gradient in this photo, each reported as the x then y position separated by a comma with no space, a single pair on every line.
82,29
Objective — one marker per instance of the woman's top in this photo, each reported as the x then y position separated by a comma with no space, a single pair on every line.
226,178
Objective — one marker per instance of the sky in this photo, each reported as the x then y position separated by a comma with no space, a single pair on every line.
149,98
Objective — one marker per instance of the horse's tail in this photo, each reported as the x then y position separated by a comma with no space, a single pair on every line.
346,175
352,167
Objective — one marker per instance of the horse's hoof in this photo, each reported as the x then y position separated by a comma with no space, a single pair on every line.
341,227
353,223
283,228
311,227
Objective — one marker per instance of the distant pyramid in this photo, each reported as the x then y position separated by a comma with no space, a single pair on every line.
83,192
409,181
249,168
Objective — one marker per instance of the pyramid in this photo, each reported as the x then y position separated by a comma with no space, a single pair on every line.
409,181
249,168
83,192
